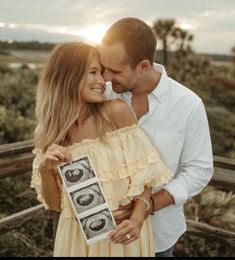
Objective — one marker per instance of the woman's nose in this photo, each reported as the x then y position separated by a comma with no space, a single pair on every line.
101,79
107,75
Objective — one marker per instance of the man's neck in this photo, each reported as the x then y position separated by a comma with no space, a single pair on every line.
139,100
147,84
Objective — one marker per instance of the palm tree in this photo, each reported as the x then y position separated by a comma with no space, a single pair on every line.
184,38
168,33
164,30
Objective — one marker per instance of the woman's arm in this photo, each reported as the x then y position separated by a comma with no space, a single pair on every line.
122,116
54,156
140,206
129,229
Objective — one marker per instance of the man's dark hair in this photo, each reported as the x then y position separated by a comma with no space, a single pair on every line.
137,37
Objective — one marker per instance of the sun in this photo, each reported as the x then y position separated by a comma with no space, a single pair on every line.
94,34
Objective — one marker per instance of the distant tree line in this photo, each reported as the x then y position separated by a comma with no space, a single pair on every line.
31,45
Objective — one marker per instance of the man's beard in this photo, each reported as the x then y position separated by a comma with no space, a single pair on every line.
118,88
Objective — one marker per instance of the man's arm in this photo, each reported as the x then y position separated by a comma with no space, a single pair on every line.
161,199
196,161
195,167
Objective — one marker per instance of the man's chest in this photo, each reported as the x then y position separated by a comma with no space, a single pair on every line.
167,133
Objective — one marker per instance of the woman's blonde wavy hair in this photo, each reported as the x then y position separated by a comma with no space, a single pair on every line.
58,94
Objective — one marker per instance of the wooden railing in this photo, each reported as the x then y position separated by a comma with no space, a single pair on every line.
16,158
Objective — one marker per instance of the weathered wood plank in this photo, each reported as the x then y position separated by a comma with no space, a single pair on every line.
16,148
210,232
224,178
19,164
16,158
193,227
223,162
18,219
23,163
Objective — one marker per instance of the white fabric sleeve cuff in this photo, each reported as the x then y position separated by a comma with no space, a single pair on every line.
178,192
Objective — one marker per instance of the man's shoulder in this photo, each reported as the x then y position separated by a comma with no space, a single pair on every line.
175,88
182,92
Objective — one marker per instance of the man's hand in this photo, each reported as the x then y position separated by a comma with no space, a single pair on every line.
162,197
123,212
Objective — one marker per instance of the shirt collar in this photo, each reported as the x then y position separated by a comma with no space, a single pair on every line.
161,87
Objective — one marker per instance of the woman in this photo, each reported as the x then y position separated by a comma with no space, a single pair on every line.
74,120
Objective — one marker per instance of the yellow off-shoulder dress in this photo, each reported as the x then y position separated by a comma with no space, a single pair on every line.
124,164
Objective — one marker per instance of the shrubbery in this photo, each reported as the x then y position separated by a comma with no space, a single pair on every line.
214,84
17,103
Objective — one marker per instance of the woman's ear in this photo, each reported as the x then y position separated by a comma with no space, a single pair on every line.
143,66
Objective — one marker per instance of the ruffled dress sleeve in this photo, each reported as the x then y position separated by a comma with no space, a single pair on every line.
36,181
125,163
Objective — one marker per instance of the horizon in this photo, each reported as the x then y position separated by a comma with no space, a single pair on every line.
230,55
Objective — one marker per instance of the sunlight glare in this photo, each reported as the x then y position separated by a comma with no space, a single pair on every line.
94,34
187,25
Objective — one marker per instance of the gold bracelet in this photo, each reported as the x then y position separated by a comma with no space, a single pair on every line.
146,202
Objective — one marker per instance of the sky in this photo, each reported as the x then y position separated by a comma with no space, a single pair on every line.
212,22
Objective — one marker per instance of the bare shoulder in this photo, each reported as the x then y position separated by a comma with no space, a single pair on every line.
116,106
120,112
37,134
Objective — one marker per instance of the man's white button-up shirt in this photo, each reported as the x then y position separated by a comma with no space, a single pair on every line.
177,125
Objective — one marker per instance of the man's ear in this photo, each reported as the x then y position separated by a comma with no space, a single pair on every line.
143,66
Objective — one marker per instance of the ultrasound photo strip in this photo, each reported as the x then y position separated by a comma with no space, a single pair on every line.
78,172
87,198
97,226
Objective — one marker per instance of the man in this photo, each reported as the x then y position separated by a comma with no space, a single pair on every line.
172,115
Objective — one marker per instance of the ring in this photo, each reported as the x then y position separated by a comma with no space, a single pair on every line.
128,236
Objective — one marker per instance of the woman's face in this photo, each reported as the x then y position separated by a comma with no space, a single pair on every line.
94,87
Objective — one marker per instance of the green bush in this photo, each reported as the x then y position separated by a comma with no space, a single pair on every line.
17,104
214,84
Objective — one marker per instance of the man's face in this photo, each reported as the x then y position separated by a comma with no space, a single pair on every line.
116,68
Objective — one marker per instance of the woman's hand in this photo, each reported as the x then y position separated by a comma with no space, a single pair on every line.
126,232
55,155
50,189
